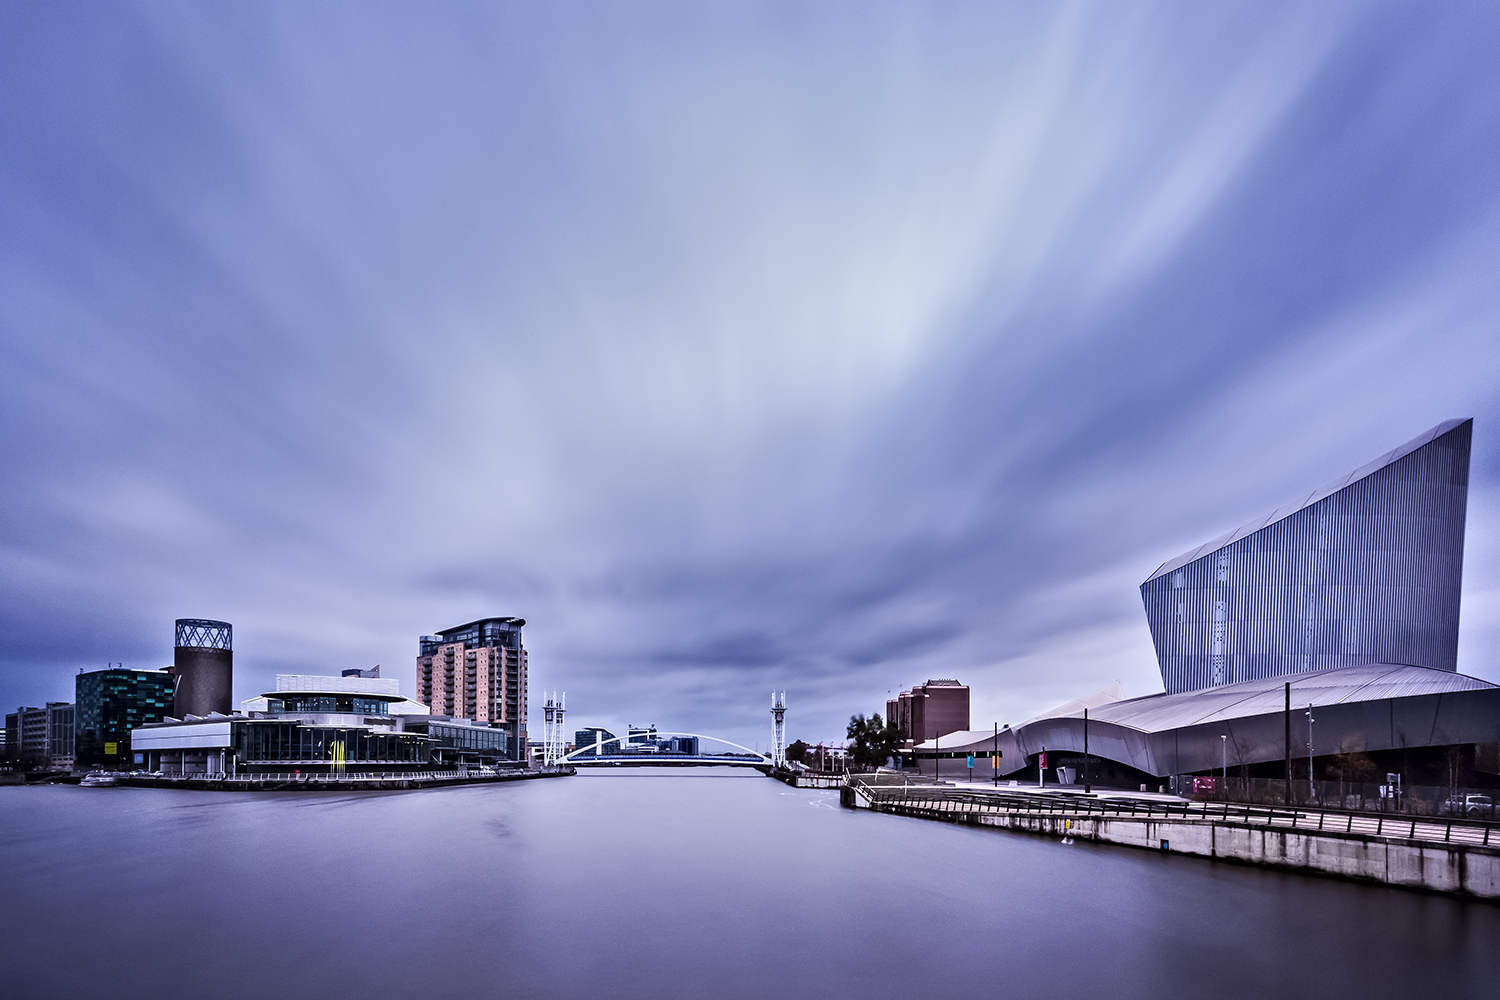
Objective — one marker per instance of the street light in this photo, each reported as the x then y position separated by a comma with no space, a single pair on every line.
1088,788
995,758
1224,745
1310,794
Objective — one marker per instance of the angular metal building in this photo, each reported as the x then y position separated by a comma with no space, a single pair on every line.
1365,570
1341,608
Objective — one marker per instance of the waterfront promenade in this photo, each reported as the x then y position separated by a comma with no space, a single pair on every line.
346,782
1457,856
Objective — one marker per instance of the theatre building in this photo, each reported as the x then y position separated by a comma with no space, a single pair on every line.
319,724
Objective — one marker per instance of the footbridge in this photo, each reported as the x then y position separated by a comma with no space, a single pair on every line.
596,753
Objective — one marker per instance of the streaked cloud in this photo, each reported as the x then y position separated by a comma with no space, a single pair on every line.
732,347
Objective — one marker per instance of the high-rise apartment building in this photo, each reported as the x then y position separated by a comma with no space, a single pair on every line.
109,704
476,671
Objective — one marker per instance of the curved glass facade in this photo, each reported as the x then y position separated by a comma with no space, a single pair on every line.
346,704
260,742
1365,570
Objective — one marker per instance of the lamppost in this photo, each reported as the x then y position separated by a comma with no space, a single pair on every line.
1310,794
1088,788
1224,746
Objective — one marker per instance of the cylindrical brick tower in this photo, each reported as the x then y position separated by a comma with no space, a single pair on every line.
203,663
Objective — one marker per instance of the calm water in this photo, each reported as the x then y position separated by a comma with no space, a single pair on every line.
696,883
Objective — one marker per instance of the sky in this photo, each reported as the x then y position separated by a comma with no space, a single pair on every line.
736,347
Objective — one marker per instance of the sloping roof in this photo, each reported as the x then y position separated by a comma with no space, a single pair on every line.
960,740
1106,695
1287,510
1369,682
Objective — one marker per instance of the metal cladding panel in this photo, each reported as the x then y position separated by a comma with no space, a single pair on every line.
1367,570
1106,741
203,735
323,684
205,679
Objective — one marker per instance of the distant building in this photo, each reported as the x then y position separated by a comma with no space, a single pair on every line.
930,710
26,735
109,704
590,736
681,744
44,736
477,671
60,734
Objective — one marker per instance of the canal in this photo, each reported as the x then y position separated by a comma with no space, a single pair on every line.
666,884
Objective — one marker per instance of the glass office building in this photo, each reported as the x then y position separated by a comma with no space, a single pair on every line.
1365,570
109,704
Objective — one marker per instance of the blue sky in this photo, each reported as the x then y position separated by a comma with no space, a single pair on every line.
734,346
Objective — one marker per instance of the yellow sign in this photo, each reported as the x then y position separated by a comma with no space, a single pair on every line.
111,748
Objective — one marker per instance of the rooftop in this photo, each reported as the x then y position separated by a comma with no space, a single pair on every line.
380,688
1367,682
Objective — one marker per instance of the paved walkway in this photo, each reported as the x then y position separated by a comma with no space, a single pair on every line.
953,798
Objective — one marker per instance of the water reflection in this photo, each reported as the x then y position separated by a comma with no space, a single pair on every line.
709,883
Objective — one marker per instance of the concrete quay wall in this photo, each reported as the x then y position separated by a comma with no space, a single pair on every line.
325,783
806,779
1457,869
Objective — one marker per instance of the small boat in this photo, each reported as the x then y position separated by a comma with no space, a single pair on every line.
98,781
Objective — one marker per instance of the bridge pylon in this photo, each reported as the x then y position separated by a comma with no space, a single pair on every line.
554,733
778,729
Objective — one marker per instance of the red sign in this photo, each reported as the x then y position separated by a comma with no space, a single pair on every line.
1041,760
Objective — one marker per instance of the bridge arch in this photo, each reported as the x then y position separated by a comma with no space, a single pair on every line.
589,748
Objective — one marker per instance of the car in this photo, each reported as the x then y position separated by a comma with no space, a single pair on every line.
1481,806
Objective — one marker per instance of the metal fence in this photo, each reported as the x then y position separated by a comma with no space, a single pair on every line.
1413,800
936,802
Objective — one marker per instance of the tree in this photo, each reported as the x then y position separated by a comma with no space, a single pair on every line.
797,751
874,741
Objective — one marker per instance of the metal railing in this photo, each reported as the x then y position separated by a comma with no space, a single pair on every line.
1420,800
931,800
